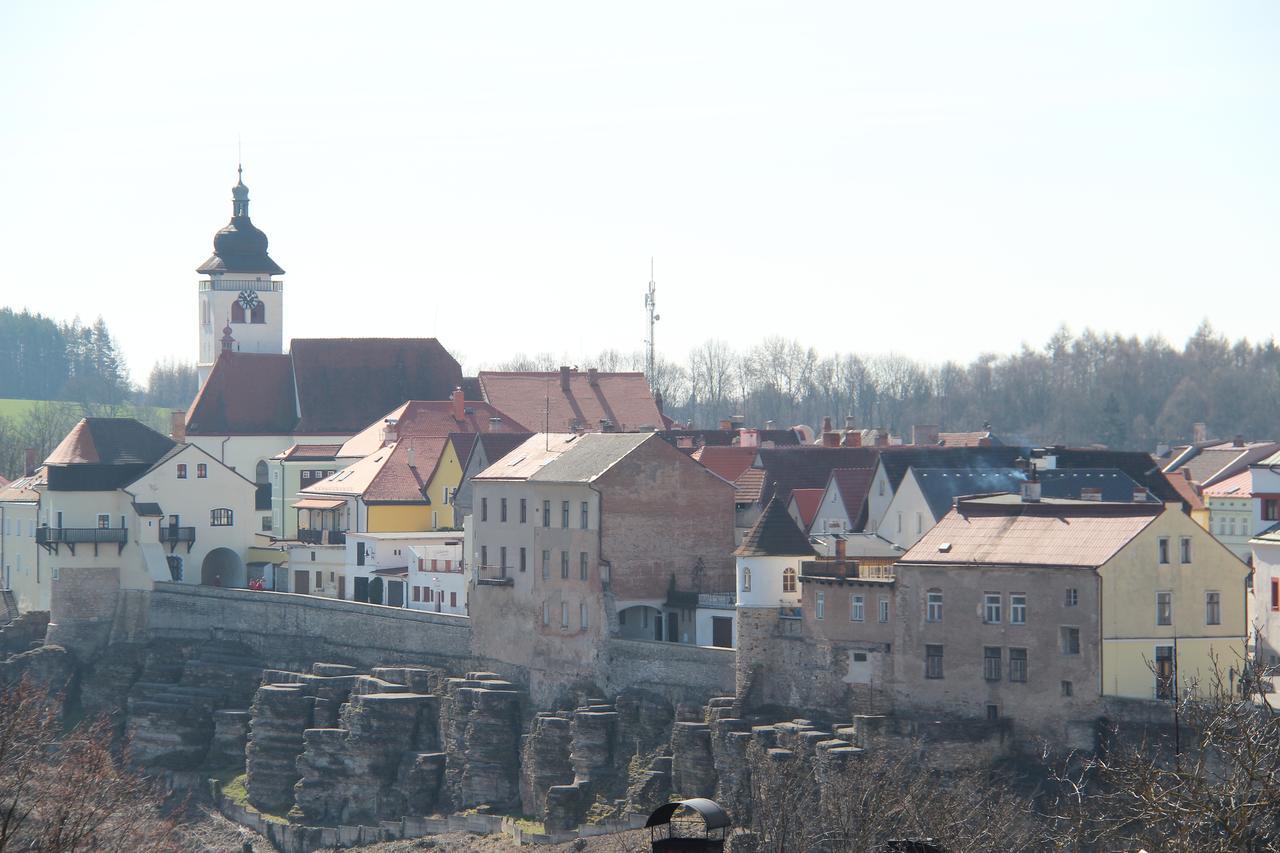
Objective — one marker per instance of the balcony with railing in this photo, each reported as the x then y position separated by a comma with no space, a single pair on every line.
239,284
309,536
174,536
51,538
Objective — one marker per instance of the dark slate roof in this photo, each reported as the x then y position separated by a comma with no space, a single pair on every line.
343,384
941,486
896,461
246,394
775,534
103,454
240,247
807,467
148,510
1115,484
110,441
1142,467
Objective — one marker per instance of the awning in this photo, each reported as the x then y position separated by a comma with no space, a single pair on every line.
400,572
148,510
319,503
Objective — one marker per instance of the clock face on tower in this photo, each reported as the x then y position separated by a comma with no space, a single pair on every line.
248,300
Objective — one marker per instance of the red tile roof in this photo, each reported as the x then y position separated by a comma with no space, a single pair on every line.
749,486
309,452
967,439
324,386
854,485
430,418
386,475
1014,533
1237,486
1184,489
807,502
245,394
728,462
537,400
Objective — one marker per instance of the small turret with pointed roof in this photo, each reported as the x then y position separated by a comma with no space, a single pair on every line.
775,534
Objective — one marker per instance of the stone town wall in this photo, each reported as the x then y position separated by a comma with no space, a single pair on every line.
293,631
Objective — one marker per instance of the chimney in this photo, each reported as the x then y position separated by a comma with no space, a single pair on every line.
748,438
29,469
1238,442
882,438
830,439
494,423
1031,491
606,425
924,435
1186,473
178,426
412,464
390,430
853,438
564,378
841,547
737,421
1091,493
768,425
684,442
826,424
593,377
459,410
726,424
1199,432
1139,495
848,422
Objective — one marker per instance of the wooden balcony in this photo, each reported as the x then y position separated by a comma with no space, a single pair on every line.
175,536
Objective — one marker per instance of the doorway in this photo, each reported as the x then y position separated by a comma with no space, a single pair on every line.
302,582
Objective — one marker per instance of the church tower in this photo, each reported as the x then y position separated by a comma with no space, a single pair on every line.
241,291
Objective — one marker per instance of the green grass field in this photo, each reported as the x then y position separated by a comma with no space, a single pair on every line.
16,410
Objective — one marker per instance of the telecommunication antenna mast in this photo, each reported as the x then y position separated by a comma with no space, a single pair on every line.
651,308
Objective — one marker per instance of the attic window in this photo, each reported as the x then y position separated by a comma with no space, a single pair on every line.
945,547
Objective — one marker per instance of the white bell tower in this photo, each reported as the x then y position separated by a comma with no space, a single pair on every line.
241,290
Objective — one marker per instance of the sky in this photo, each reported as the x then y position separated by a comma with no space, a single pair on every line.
932,179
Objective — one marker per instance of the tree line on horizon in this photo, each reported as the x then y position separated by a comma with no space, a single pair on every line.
1077,389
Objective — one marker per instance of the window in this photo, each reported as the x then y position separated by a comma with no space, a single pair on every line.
1233,526
1069,640
220,518
202,471
586,515
523,559
546,513
1162,550
856,608
582,615
524,510
884,609
484,556
546,564
502,510
1017,608
919,523
266,524
820,606
746,583
484,509
1184,550
1271,509
1073,597
582,565
993,711
417,593
1275,593
564,564
564,514
991,608
1017,664
789,579
182,471
564,614
104,521
453,599
258,314
1164,608
899,522
992,663
546,613
1067,688
1212,608
933,661
502,561
934,611
1164,672
880,486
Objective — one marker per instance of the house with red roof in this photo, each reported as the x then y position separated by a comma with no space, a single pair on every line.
570,400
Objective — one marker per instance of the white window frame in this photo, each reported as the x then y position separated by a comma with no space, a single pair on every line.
857,608
884,608
933,605
992,608
1017,608
820,606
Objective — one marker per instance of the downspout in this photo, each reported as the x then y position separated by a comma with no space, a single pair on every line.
4,537
1102,658
606,593
222,451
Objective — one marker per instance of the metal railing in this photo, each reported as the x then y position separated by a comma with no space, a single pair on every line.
238,284
78,535
322,537
181,535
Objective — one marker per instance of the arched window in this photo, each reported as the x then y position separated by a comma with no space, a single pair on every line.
788,579
746,579
220,517
258,314
260,473
237,312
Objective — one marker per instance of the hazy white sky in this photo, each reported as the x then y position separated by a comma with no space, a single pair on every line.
933,179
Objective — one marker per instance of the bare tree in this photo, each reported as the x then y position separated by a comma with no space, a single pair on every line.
64,792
